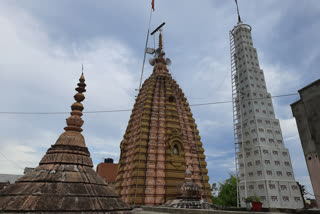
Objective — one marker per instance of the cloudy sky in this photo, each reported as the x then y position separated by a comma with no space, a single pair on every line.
43,44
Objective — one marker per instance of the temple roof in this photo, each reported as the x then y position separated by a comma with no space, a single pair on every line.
160,140
64,181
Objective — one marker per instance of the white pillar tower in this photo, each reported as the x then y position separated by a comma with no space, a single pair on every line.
263,163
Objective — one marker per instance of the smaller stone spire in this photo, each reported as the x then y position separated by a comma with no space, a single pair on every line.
74,122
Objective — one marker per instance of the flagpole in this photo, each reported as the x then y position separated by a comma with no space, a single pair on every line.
144,56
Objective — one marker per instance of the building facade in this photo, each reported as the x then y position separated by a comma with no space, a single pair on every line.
108,171
263,162
307,114
160,141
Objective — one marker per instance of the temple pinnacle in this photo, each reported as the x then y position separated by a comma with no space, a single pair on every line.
74,122
160,40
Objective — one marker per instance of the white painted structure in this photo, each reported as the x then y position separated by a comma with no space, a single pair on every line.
263,163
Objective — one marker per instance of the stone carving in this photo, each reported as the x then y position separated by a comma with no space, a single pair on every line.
161,138
64,181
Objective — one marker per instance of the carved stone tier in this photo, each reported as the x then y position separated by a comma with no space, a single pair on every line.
64,181
160,140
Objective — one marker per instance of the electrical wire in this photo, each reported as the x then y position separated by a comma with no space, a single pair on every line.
20,167
125,110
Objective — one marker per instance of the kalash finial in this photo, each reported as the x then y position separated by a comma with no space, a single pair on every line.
160,40
74,122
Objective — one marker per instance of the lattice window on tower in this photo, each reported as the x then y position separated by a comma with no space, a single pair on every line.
285,198
275,152
277,163
283,187
258,162
249,164
272,186
274,198
271,141
251,187
267,162
259,173
289,174
297,199
256,152
261,186
294,187
286,163
279,173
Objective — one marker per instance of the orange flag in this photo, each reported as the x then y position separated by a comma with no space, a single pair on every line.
152,4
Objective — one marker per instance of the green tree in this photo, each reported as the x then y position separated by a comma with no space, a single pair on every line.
227,195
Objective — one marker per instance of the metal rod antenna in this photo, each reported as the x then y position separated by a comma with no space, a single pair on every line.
239,18
158,28
144,55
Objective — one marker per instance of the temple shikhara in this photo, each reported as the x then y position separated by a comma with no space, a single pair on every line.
160,142
64,181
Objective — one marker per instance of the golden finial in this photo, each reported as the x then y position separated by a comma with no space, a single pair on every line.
160,40
74,122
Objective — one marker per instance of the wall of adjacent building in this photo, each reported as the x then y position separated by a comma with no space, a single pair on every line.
307,114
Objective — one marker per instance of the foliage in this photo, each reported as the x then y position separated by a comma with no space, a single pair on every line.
253,199
227,195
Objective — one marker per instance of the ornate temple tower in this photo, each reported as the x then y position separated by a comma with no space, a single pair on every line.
263,162
160,141
64,181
